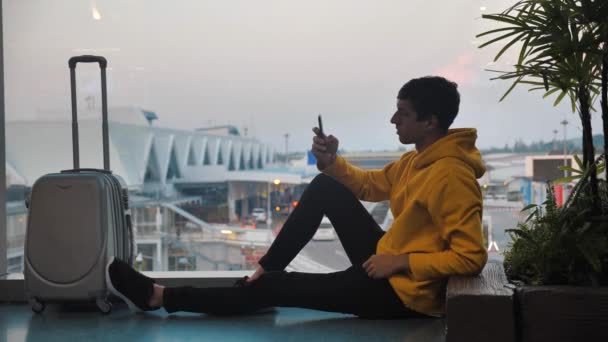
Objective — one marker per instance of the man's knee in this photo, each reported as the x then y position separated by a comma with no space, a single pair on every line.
320,178
325,182
325,187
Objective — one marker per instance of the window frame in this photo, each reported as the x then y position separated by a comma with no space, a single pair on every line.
3,231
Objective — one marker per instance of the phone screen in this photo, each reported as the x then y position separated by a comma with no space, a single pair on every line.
321,126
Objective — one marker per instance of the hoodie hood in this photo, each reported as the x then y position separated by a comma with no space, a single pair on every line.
458,143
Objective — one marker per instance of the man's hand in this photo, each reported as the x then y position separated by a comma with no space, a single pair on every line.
324,148
256,274
385,265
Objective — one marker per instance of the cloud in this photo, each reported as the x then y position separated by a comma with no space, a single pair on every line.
461,71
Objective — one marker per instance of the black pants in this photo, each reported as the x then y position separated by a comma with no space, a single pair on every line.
349,291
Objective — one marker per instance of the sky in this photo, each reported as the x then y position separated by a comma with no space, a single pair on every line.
271,66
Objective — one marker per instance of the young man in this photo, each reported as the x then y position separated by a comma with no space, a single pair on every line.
434,197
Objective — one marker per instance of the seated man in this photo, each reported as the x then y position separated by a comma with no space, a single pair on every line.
434,197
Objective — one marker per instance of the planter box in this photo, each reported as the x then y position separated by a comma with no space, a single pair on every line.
561,313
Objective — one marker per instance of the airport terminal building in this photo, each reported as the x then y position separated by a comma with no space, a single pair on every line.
184,185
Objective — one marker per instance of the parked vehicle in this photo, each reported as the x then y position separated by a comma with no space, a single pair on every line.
259,214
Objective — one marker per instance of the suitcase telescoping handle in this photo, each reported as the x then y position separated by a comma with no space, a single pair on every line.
103,63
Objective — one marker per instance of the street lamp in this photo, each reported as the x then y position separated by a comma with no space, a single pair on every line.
95,13
564,123
286,135
554,148
269,218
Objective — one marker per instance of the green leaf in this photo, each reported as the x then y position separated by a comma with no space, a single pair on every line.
504,18
584,229
533,83
551,92
566,179
494,31
506,47
510,89
523,234
528,207
535,213
497,39
559,98
570,169
578,162
572,100
536,88
522,52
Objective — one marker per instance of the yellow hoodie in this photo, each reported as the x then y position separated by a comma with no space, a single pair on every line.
437,204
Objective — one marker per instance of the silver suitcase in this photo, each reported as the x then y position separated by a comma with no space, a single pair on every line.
78,219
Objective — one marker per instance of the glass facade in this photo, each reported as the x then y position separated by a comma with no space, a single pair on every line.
201,99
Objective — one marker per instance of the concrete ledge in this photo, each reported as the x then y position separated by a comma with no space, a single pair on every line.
481,308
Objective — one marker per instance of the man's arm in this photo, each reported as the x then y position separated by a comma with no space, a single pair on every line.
455,206
373,186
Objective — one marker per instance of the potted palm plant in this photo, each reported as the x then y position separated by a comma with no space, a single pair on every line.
559,255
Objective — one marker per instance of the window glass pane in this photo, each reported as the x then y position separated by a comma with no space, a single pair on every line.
211,102
16,221
188,212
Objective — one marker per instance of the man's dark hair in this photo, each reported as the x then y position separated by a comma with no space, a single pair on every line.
433,95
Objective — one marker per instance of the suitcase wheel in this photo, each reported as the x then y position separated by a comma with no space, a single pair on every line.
37,305
104,306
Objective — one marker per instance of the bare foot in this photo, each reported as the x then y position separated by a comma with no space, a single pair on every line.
256,275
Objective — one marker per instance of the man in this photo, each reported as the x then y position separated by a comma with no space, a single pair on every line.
434,197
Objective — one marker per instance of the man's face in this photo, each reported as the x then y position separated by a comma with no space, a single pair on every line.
410,130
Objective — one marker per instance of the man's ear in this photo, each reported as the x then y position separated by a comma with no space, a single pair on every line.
433,123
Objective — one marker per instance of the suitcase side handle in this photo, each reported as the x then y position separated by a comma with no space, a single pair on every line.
86,170
103,63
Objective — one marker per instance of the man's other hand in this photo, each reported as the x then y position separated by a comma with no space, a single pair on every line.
381,266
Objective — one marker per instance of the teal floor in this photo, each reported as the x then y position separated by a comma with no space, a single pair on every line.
75,324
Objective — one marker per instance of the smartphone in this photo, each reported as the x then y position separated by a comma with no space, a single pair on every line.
321,126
